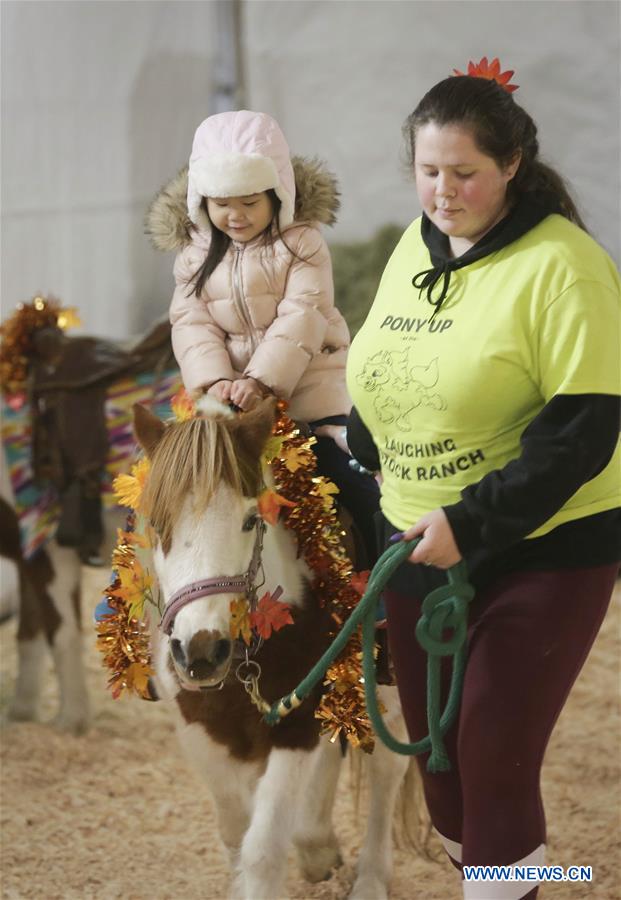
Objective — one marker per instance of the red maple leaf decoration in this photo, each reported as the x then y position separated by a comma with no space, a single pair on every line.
359,581
492,72
270,504
270,615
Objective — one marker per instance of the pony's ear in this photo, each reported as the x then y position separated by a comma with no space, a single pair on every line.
252,429
148,429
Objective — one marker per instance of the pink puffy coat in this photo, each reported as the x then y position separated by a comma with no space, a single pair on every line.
264,312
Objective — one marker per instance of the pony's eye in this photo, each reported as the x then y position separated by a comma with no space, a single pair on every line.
250,522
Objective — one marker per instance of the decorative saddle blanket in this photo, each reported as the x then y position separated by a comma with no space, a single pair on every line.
36,501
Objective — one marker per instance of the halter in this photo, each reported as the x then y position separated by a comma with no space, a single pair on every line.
220,584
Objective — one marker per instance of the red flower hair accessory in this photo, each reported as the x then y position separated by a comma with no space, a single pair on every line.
491,71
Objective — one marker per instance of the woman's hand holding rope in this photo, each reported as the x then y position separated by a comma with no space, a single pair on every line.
437,546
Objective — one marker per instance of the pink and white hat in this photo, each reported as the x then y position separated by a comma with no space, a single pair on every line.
239,153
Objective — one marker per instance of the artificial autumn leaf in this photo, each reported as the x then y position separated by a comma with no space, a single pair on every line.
326,489
134,584
359,581
273,447
270,615
182,406
491,71
137,678
269,504
129,488
240,620
136,607
295,458
132,538
116,686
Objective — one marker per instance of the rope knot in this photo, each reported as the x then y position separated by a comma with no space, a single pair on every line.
444,608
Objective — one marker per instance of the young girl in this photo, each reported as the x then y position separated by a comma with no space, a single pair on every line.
253,310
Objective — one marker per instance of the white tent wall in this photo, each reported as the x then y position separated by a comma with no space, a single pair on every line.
100,101
341,77
99,104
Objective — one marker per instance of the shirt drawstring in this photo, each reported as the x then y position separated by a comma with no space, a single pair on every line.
429,279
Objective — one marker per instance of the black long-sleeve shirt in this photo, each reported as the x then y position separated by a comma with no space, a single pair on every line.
571,440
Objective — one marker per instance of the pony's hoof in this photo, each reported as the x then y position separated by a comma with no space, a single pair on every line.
318,863
77,723
368,887
22,712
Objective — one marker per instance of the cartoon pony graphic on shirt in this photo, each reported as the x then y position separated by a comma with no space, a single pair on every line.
399,386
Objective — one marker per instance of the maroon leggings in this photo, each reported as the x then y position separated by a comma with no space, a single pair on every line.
529,635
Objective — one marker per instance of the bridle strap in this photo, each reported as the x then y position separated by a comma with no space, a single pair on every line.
221,584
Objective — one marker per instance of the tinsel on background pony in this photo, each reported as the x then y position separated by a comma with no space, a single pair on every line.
18,335
305,503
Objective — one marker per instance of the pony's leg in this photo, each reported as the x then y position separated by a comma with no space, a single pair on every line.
31,655
316,843
32,650
9,587
387,770
48,618
64,591
263,857
233,795
231,783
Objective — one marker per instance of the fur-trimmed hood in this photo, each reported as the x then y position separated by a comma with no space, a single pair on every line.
317,200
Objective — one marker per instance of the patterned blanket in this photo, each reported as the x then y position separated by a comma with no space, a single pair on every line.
37,504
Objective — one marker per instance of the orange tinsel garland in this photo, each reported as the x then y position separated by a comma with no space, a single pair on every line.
316,526
18,333
123,634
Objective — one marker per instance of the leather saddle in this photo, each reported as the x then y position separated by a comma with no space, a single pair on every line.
70,379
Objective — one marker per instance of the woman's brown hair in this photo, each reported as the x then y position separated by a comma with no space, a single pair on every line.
501,129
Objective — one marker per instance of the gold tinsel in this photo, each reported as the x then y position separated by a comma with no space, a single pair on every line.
318,531
18,333
123,640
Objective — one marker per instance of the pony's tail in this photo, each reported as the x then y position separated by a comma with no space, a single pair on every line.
412,826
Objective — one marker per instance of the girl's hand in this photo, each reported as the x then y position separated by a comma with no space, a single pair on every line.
437,547
246,393
338,433
221,390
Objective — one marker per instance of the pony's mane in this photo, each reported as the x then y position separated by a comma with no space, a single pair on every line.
196,456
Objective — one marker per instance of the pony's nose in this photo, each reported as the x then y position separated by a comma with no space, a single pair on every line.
204,657
222,651
204,667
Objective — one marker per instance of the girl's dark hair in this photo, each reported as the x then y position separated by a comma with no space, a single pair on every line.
500,127
220,244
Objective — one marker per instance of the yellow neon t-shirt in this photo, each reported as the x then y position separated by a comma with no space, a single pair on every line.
446,399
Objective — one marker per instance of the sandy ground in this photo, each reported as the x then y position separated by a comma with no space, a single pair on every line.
118,814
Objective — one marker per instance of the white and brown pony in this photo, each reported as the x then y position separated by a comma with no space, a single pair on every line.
272,786
47,589
44,591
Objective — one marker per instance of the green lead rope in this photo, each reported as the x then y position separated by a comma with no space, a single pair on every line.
443,608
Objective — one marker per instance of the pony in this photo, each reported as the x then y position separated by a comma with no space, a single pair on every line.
47,598
65,414
49,619
272,787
